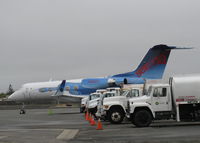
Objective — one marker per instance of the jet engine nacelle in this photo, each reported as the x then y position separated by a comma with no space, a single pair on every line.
118,81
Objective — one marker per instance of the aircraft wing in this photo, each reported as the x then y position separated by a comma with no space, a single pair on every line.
62,93
67,94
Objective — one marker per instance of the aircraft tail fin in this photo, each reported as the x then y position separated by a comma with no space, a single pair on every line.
153,64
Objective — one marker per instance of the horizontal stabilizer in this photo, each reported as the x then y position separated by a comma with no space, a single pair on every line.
179,48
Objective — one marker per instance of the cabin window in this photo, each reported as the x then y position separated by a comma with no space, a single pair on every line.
94,96
121,92
43,90
50,89
134,93
160,92
109,94
67,88
75,88
128,94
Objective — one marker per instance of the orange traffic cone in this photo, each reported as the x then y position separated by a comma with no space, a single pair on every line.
99,125
92,123
87,116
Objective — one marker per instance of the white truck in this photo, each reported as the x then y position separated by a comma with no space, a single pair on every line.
112,105
93,99
179,99
114,91
83,104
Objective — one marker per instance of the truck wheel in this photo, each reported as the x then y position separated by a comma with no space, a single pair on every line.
116,116
82,109
142,118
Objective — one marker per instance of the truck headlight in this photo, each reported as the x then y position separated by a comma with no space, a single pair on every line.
106,106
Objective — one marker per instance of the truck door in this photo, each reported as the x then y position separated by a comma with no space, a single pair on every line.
160,99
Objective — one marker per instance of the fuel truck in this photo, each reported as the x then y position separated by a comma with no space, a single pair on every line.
179,100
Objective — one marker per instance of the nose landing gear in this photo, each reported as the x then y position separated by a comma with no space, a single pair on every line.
22,110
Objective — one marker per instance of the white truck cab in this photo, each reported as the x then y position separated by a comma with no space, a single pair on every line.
93,100
114,106
100,112
158,99
83,104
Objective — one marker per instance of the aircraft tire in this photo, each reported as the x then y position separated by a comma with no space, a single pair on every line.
22,111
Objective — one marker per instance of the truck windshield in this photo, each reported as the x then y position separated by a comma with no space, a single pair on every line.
134,93
159,92
94,96
109,95
126,93
131,93
122,92
149,91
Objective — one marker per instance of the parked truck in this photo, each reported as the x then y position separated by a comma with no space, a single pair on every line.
179,99
110,93
93,100
83,104
112,106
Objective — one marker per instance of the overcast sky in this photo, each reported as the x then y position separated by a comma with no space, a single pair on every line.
69,39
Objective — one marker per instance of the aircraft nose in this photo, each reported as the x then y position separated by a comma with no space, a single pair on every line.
12,96
18,95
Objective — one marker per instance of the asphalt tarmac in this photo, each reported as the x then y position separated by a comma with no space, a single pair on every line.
63,125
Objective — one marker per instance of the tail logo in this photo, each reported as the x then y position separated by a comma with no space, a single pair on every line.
158,60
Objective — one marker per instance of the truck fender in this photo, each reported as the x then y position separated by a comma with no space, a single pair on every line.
113,104
136,106
117,106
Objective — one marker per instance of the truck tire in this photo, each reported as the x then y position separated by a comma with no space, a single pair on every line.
115,116
82,109
142,118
